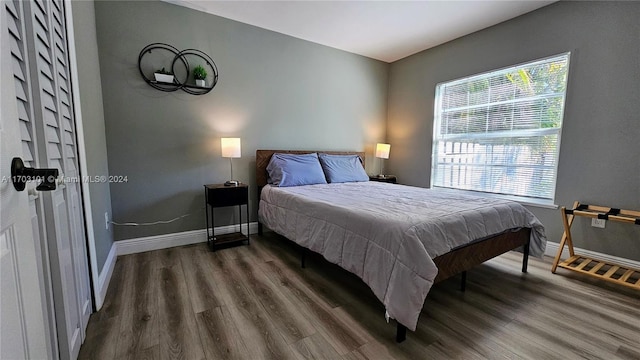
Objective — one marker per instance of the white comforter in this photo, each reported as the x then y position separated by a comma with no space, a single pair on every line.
388,234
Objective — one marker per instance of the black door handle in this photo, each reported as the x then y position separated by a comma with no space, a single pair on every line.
20,175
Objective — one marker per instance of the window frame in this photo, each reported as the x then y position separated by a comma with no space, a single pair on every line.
437,121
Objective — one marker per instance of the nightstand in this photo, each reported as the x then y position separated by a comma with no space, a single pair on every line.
387,178
219,195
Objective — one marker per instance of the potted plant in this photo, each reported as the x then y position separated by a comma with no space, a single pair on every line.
163,76
200,74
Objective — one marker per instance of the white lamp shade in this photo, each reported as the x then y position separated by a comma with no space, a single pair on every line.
230,147
382,151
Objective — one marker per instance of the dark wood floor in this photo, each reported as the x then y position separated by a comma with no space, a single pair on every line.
255,302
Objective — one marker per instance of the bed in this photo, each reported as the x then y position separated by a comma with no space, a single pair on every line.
398,239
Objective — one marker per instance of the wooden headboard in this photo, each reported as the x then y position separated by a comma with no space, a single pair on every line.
264,156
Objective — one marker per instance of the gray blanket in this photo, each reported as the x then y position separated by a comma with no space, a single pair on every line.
388,234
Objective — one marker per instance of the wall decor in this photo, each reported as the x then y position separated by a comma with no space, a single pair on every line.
170,69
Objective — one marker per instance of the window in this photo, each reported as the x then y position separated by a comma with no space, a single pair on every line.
499,132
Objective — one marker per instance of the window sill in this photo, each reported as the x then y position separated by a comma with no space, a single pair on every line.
546,204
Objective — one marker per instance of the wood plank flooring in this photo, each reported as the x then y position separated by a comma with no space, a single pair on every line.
255,302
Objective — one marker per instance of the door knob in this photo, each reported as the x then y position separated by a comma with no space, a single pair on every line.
20,175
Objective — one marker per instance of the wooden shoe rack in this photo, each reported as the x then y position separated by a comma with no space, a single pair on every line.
619,274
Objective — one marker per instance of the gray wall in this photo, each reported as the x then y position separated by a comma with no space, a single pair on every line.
274,91
93,122
599,155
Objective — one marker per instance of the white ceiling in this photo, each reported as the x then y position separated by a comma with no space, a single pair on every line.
383,30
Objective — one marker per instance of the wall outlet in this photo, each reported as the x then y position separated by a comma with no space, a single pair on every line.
599,223
106,221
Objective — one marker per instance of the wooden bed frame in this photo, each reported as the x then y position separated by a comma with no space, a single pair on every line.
457,261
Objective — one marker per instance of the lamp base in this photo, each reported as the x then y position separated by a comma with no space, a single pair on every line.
232,183
382,176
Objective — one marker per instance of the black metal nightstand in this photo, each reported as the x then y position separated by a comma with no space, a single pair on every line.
384,178
219,195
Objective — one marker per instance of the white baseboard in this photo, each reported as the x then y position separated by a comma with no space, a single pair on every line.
148,243
105,277
552,250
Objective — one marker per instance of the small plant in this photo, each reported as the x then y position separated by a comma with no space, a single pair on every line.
199,73
163,76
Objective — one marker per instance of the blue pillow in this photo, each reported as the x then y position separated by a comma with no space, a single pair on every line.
294,170
343,168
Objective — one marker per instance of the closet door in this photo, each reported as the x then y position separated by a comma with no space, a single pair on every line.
70,166
25,302
56,148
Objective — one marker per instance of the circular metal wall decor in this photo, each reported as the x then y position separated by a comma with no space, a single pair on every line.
180,74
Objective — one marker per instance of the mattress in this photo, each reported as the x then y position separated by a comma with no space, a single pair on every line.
388,234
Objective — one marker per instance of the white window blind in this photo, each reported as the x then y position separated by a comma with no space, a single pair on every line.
499,132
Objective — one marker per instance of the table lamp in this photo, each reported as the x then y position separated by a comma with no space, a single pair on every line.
230,149
382,152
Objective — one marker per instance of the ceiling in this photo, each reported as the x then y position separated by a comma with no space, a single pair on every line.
383,30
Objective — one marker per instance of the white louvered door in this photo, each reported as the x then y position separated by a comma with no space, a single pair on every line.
24,330
49,141
56,149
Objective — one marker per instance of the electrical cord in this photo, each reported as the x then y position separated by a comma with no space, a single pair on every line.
150,223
